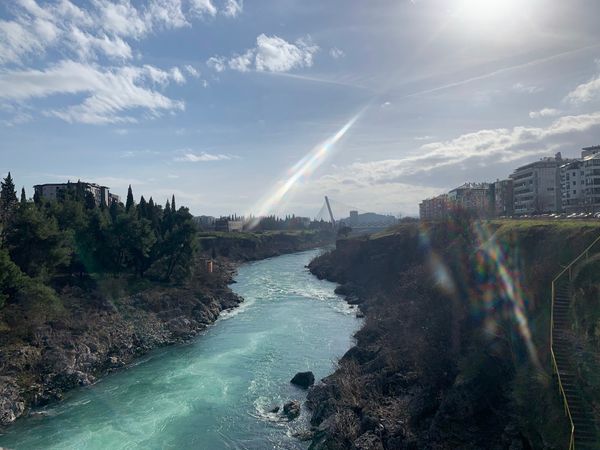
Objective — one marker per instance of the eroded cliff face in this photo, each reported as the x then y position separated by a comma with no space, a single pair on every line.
442,361
95,334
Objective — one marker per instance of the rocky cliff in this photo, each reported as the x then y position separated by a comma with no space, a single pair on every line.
454,350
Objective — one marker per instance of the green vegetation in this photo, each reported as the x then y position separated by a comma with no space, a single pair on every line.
45,245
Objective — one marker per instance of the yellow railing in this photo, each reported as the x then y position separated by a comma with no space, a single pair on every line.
568,270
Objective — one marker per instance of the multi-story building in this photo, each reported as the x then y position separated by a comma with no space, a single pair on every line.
536,186
572,186
503,198
54,191
227,225
475,197
435,208
591,167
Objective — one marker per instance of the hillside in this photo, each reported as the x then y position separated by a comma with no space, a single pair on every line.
454,350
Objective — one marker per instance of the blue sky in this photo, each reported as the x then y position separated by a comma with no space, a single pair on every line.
216,100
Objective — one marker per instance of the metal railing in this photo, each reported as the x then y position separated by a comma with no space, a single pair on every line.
567,271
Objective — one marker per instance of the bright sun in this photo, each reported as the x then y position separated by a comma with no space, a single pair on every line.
486,10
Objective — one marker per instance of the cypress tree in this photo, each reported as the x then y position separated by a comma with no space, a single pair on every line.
173,209
129,202
23,197
142,208
8,196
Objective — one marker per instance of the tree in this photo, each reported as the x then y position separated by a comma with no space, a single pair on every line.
23,196
173,209
129,203
142,209
90,201
36,244
8,197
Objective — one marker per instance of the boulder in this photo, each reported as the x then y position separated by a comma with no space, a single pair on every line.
303,379
291,409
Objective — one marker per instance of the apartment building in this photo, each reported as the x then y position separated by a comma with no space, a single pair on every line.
475,197
54,191
572,186
503,198
436,208
537,188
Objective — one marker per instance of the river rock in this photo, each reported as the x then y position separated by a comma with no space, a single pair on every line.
291,409
303,379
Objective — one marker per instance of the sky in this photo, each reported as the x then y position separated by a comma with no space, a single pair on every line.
262,106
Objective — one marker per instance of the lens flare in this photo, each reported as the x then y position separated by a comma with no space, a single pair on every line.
506,283
302,168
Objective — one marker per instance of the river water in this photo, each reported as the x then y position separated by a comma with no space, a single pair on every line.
214,393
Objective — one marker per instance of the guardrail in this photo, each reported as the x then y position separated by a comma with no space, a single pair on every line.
567,271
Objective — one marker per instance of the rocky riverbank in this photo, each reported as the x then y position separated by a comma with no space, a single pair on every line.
442,362
99,327
95,334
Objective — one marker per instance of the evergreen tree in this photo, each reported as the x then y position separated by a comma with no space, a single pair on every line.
8,196
37,198
129,202
23,196
142,209
173,209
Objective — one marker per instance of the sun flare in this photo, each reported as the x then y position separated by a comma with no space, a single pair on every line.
486,10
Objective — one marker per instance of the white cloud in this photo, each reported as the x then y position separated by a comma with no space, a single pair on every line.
526,89
233,8
217,63
111,91
192,71
274,54
202,157
481,148
86,45
271,54
336,53
546,112
177,76
386,104
201,7
242,63
585,92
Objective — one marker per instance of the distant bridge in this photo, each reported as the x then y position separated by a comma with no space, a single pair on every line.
359,220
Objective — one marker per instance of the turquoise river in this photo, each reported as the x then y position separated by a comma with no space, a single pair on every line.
215,392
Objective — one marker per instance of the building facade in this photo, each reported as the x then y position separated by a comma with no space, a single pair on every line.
591,168
572,187
475,197
503,198
55,191
436,208
229,226
536,186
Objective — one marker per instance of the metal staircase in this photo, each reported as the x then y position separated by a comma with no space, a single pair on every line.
584,434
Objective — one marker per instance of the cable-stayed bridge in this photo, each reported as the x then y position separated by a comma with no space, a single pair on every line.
338,212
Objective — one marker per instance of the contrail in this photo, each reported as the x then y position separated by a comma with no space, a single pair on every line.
501,71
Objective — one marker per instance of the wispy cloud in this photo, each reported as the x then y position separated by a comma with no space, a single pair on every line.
112,92
271,54
546,112
484,147
188,156
336,53
586,92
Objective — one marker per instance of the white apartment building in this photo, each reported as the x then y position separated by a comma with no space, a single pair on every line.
536,186
572,186
52,191
591,166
